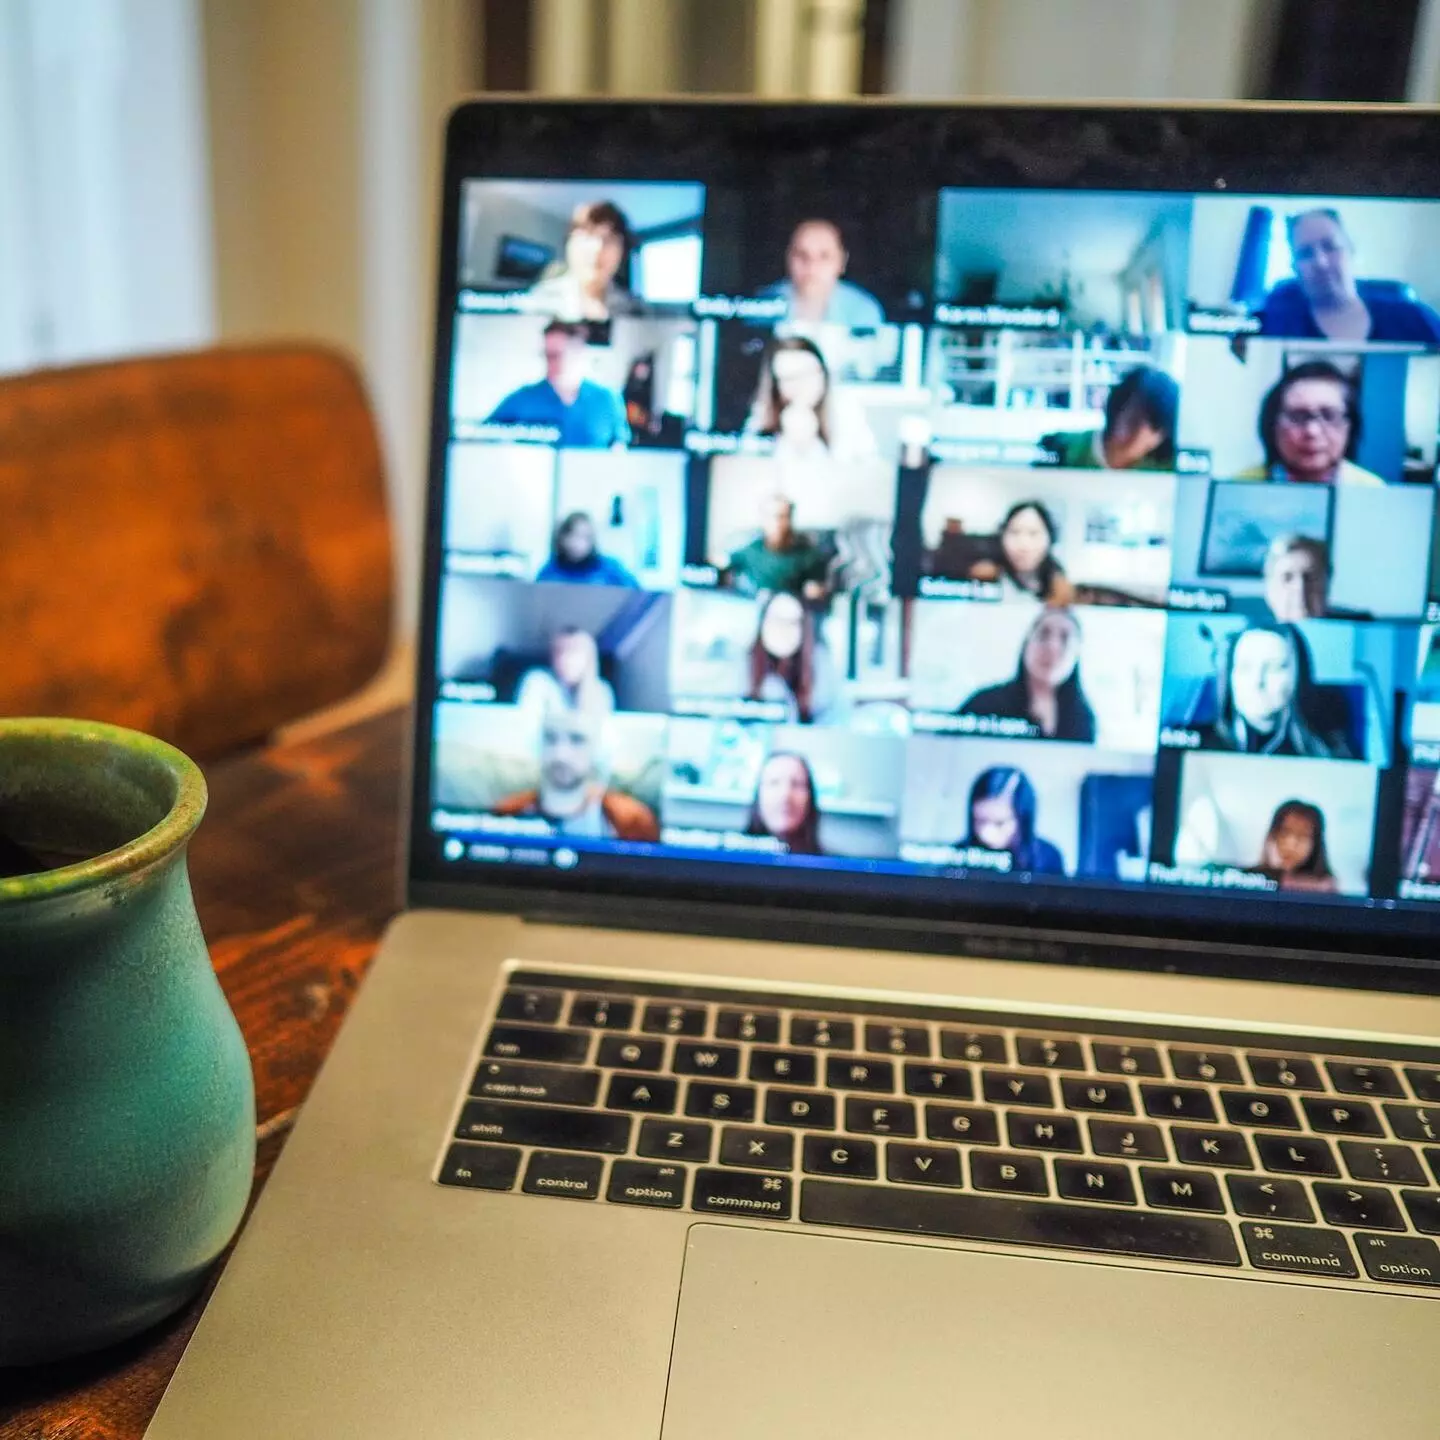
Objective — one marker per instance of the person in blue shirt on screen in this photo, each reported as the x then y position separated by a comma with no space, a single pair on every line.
1324,302
578,560
813,289
587,415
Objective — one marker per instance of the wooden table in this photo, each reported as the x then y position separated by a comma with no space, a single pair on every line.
295,875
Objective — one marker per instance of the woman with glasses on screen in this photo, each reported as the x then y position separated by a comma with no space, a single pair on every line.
789,665
590,283
1139,429
785,805
1294,853
1046,690
1266,698
1310,428
1002,820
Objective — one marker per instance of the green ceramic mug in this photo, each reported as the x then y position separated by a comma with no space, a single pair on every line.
127,1106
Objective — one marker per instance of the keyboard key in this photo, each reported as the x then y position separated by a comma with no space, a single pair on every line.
1342,1117
1296,1155
812,1109
762,1027
939,1082
1177,1102
600,1012
734,1192
1092,1180
552,1173
822,1032
556,1047
1387,1164
1001,1219
922,1164
1362,1206
536,1125
1211,1147
757,1149
1351,1079
1110,1095
652,1094
874,1075
1216,1066
1400,1260
1044,1132
1012,1087
534,1007
1269,1199
1433,1158
507,1080
1424,1082
675,1139
1008,1174
635,1183
1414,1122
626,1052
1244,1107
962,1122
883,1117
1424,1208
1284,1073
976,1045
713,1100
674,1019
1297,1250
1114,1059
1121,1137
721,1061
1181,1189
897,1040
833,1155
788,1067
480,1167
1047,1054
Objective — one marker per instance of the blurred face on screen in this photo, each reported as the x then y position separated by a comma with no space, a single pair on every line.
564,359
567,752
1262,679
799,378
815,262
1131,439
1323,257
1026,542
577,543
784,795
993,823
1052,650
782,630
593,254
1293,842
775,522
572,658
1312,428
1295,585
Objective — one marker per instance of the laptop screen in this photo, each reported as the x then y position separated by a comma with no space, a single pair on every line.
1042,548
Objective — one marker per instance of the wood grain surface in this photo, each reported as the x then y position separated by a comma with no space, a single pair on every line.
295,872
193,545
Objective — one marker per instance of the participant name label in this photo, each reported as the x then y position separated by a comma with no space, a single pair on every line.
1194,598
1222,322
1220,877
968,857
991,452
1003,726
1010,317
741,307
939,589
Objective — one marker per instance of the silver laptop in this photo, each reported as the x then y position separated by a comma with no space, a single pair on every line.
925,822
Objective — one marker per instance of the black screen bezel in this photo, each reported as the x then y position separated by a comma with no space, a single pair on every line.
1377,151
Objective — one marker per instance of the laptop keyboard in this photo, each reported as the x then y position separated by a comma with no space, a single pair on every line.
1248,1152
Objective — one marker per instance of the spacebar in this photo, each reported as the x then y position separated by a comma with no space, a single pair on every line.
1019,1222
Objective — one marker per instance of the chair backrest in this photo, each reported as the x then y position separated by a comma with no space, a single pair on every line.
194,545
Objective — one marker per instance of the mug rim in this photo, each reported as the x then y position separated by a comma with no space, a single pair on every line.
148,849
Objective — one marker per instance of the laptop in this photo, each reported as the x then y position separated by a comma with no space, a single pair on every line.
925,817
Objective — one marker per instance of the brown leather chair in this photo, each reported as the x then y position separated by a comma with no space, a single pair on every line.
195,545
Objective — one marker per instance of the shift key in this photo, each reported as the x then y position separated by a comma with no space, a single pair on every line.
540,1125
525,1042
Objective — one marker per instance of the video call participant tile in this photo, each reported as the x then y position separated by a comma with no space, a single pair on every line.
514,771
1419,837
566,383
554,647
782,790
1316,268
1319,689
1006,807
499,508
1302,552
1269,825
1090,675
580,250
1061,537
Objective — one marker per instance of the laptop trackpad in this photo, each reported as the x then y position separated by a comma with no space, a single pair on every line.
796,1335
